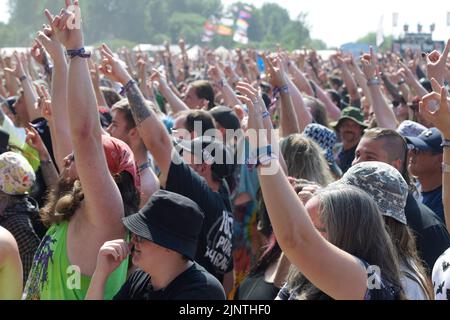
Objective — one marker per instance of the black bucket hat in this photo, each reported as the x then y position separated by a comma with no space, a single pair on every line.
171,221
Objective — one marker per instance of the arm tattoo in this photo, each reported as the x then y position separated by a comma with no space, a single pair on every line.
138,106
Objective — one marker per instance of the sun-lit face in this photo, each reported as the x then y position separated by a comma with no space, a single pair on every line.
421,163
119,127
370,150
350,132
192,100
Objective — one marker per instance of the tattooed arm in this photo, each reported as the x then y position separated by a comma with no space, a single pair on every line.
151,129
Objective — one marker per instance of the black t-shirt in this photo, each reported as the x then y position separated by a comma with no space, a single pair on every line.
433,200
432,238
345,159
193,284
214,251
256,288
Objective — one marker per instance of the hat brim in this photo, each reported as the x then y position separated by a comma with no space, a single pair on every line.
336,124
418,143
163,238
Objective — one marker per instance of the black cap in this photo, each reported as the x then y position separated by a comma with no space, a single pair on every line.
171,221
211,151
430,140
226,117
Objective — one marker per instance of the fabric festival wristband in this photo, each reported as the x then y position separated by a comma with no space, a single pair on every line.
445,168
82,53
265,114
446,144
23,78
124,90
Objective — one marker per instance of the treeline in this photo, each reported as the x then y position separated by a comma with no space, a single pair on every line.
121,22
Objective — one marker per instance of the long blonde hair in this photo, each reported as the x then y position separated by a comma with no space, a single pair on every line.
305,160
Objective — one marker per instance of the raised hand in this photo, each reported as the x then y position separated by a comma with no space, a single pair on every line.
44,102
38,53
437,64
110,256
112,67
435,107
254,102
160,79
34,140
18,70
369,66
276,75
47,39
65,26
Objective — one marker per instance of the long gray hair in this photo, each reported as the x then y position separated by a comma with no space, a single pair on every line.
352,223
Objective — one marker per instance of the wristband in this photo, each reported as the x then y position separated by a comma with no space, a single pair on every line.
284,89
401,82
23,78
126,87
146,165
78,53
445,168
445,144
265,114
266,160
373,82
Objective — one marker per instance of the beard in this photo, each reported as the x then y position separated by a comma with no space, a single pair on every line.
62,200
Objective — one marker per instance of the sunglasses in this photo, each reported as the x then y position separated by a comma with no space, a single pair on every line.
137,238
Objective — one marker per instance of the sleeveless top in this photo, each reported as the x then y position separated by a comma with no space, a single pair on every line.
52,277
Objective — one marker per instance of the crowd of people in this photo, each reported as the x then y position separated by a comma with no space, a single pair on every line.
127,176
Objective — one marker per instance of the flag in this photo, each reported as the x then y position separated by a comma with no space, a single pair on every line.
244,15
224,31
395,19
242,24
448,19
228,22
241,38
209,26
380,33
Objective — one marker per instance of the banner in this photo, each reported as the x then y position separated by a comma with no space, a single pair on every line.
242,24
224,31
244,15
238,37
380,33
395,19
228,22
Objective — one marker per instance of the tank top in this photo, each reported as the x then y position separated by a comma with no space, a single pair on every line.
52,277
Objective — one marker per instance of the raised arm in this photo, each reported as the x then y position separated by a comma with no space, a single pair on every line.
348,79
384,114
176,104
304,117
151,129
62,143
30,96
216,74
441,119
279,79
335,272
102,208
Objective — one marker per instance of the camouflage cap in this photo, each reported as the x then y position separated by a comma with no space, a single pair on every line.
384,184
